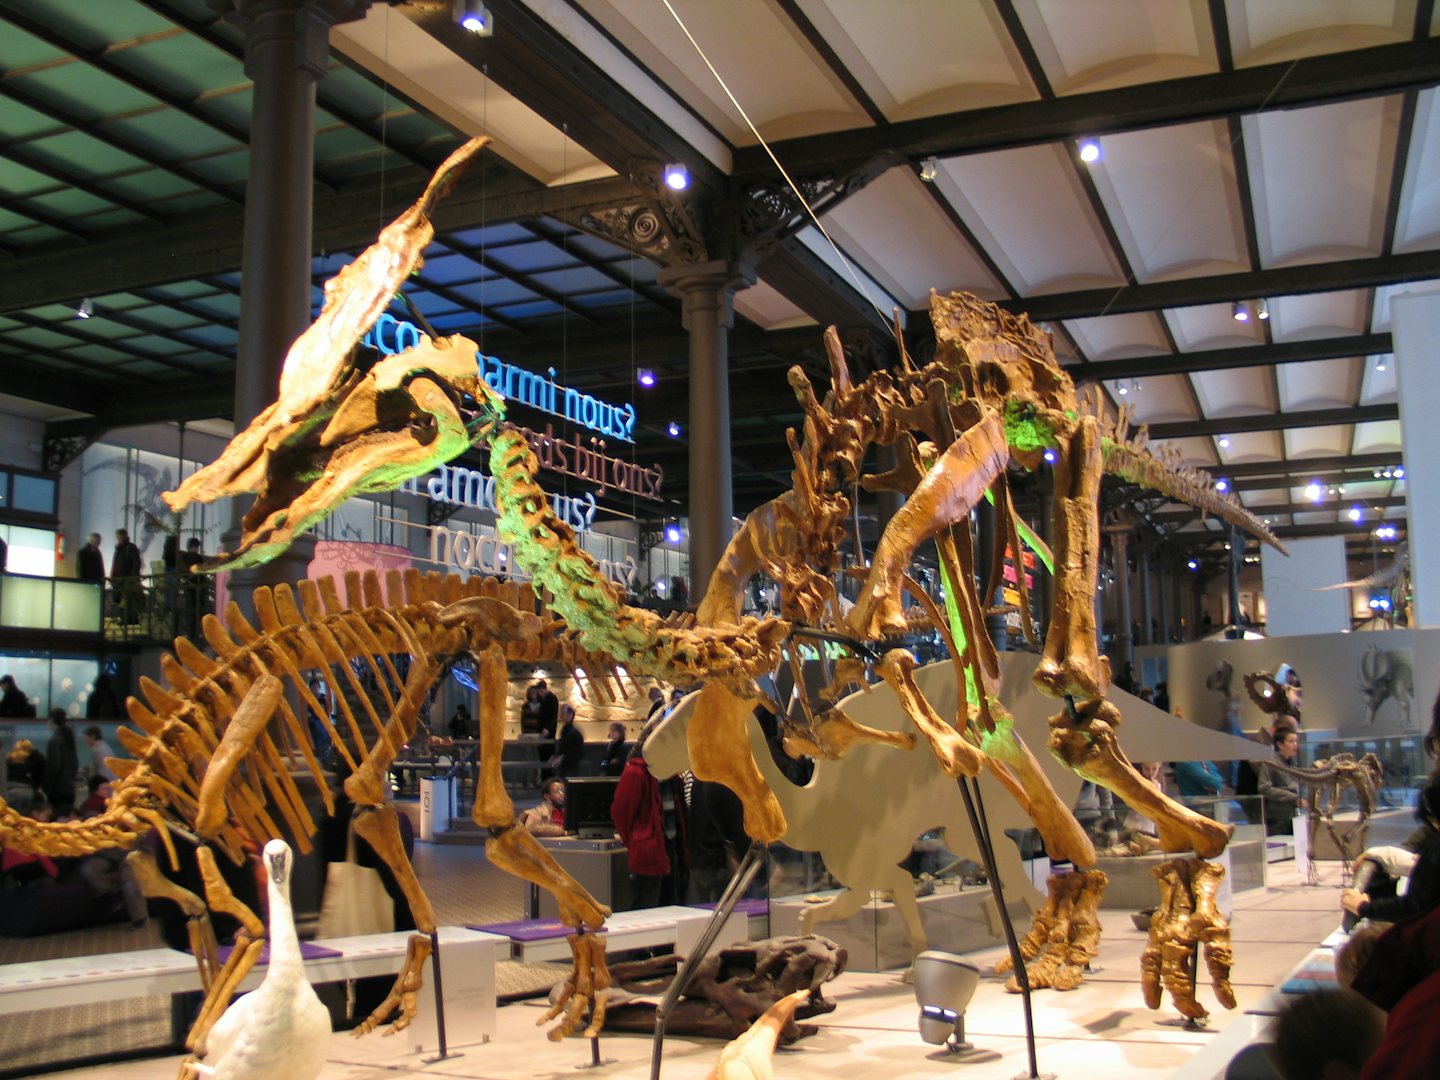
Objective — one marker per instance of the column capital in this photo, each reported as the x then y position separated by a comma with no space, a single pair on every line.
707,289
303,25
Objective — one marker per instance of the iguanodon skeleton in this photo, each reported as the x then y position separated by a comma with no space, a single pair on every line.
208,760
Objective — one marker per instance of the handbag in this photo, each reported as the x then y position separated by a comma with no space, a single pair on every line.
355,901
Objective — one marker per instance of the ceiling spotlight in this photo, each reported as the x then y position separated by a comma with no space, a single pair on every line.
475,17
1313,491
1224,442
1239,311
1193,565
1089,151
1262,309
677,177
673,430
1379,363
673,534
1354,513
1050,456
929,168
1222,484
86,309
1122,388
1399,473
645,377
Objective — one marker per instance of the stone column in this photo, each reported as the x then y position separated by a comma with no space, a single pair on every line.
1416,320
1167,607
1232,582
1147,634
287,48
706,291
1124,652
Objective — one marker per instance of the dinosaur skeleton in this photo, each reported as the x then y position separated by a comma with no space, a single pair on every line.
210,758
1328,778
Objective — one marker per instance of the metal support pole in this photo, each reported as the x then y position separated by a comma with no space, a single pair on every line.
439,1000
744,874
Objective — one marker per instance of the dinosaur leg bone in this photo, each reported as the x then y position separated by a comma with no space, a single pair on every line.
1088,745
157,886
1070,663
379,828
249,941
493,808
956,756
1006,751
720,751
952,487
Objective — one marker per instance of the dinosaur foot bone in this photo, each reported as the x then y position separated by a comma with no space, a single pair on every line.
404,995
1088,745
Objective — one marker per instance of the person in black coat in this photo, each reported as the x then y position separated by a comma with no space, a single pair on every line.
612,762
125,569
90,561
569,746
62,763
13,701
1422,894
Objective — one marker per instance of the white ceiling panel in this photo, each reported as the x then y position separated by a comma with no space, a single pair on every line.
1316,517
1249,446
1329,441
1266,32
1240,392
1028,209
1197,452
1377,437
956,56
1379,385
1319,178
1417,227
763,305
1086,47
1172,197
1212,326
1159,399
1318,384
1368,489
1267,497
763,57
910,245
405,56
1319,315
1118,337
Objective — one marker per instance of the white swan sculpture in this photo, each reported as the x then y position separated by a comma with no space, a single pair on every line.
278,1031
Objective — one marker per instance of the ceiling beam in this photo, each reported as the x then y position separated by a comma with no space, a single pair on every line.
809,283
1232,425
1312,80
1306,466
1286,352
1163,517
207,244
1227,288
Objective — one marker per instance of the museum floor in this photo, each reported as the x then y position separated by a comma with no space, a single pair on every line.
1103,1028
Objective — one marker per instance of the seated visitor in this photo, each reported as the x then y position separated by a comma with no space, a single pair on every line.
547,819
1423,892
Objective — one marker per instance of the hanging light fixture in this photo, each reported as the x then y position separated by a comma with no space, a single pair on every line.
475,17
645,377
676,176
673,430
1380,363
1239,312
86,309
1262,309
929,169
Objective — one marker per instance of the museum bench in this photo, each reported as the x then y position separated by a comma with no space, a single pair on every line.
467,964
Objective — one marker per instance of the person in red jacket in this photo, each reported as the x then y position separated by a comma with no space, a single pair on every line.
639,819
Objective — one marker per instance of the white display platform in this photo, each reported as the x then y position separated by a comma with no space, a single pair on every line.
468,968
646,929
